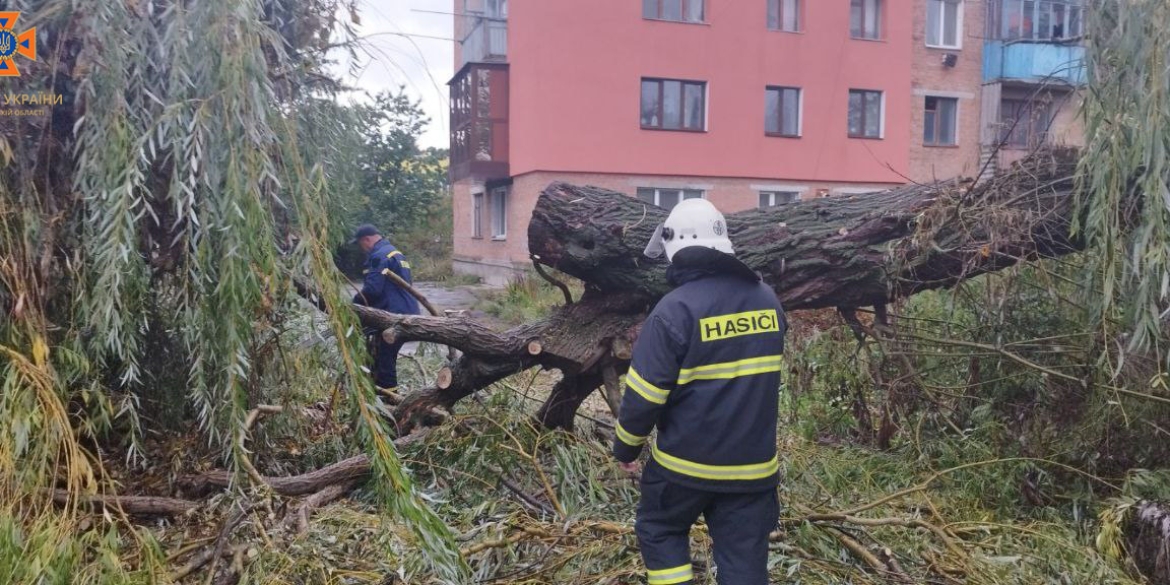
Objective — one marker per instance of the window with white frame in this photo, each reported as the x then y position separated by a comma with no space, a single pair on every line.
854,191
782,111
866,113
477,215
498,203
674,10
865,19
774,198
667,198
1036,20
784,15
673,104
496,9
940,121
944,23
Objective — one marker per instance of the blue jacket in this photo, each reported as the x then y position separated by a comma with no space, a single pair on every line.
706,372
378,291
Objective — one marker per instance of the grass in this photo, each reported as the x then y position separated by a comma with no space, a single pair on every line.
527,298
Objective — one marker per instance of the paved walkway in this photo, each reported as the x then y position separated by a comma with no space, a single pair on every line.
445,298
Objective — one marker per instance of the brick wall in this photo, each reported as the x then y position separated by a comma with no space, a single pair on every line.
963,81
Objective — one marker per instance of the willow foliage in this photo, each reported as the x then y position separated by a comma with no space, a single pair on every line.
1128,128
168,197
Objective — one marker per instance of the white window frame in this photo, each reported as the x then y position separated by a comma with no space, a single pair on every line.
499,221
680,190
941,24
798,6
881,113
683,10
1003,24
477,208
799,110
856,190
958,117
772,193
879,22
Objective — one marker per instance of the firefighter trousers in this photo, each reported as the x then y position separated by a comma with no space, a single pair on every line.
385,361
739,525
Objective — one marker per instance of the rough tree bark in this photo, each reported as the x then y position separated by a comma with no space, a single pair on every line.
844,252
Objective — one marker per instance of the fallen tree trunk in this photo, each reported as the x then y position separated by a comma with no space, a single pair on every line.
847,251
844,252
138,505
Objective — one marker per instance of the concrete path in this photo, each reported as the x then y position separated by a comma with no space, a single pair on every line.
446,298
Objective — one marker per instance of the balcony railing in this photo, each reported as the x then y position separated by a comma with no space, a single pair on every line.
486,42
479,122
1033,62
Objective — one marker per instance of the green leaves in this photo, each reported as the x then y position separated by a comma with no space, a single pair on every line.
193,208
1124,202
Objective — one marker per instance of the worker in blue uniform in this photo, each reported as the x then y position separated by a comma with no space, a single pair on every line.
705,372
380,292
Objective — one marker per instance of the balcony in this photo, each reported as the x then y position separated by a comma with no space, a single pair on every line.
1033,62
486,42
479,122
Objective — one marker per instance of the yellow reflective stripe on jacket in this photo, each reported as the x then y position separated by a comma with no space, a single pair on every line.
717,472
393,254
729,370
646,389
629,438
670,576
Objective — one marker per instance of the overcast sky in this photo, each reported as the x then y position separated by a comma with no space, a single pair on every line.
398,51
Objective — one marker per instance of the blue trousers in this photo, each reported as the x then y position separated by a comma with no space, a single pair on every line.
739,525
386,363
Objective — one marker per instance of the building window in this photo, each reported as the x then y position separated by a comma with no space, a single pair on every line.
477,215
865,113
498,202
495,9
1037,20
940,121
774,198
784,15
667,198
1023,123
865,19
674,10
944,23
782,111
672,104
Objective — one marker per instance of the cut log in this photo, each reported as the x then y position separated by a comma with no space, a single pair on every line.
534,347
847,251
443,380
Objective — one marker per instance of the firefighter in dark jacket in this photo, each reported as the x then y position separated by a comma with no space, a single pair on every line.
706,372
379,292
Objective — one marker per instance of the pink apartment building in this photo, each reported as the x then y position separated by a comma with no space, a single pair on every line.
744,102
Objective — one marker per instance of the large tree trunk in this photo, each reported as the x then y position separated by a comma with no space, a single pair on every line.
844,252
848,251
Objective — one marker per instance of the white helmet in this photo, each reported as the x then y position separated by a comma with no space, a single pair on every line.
693,222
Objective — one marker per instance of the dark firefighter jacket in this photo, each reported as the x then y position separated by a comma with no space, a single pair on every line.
378,291
706,371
